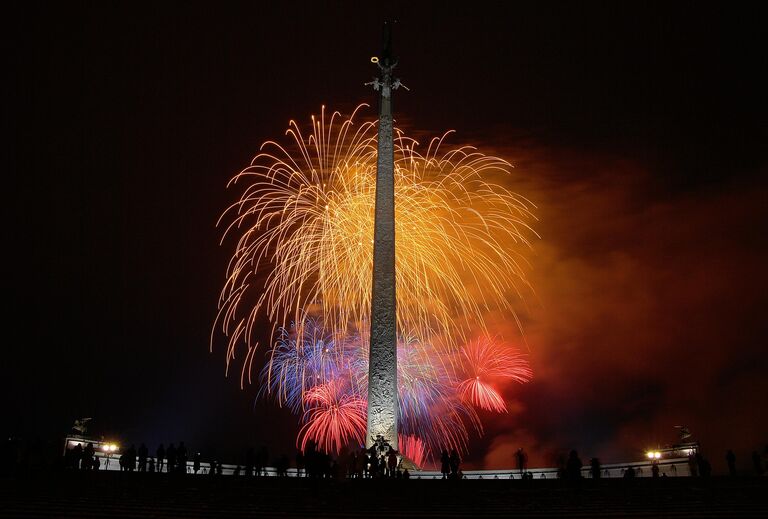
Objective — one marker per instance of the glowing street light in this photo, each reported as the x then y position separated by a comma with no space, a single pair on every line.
653,455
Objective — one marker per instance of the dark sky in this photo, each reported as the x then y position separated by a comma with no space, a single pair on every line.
638,128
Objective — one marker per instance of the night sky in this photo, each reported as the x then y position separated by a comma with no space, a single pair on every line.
638,129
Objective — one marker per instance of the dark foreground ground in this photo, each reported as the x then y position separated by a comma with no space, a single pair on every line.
115,494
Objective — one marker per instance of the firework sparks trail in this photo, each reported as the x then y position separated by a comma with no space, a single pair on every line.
485,361
303,256
313,377
429,407
298,364
413,448
482,395
304,227
335,417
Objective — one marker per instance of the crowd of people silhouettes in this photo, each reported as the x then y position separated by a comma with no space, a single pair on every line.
378,461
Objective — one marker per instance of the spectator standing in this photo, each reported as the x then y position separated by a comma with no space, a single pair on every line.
88,454
77,456
445,464
171,456
392,463
455,461
143,453
595,468
181,458
160,457
573,466
196,463
522,460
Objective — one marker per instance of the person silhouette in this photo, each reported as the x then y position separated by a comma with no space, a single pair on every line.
77,455
595,468
629,473
382,466
143,453
445,464
373,461
151,464
522,460
455,461
573,466
655,469
160,457
730,458
261,461
391,463
365,462
196,463
181,458
88,455
170,454
693,465
282,465
353,466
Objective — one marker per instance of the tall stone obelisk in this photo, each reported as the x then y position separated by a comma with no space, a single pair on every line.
382,358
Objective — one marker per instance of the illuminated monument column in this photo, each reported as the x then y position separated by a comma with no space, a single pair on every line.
382,367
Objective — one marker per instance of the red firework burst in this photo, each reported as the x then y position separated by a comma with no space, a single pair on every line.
486,363
413,448
482,395
334,417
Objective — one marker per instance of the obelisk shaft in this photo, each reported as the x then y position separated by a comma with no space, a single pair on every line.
382,368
